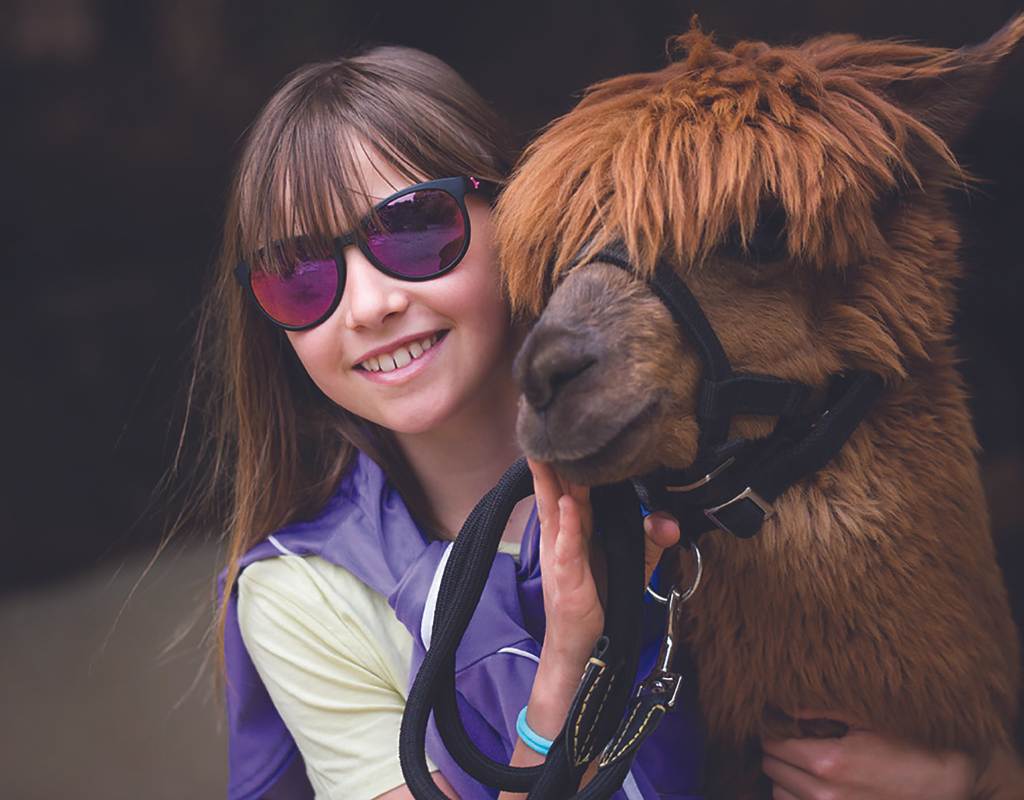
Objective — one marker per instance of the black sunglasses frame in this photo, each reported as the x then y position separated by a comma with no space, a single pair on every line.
457,188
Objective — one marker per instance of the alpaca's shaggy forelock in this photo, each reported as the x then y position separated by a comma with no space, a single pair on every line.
672,160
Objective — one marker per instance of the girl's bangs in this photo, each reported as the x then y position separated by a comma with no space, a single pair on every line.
314,191
299,196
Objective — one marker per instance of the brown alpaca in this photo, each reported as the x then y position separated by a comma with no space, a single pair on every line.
799,191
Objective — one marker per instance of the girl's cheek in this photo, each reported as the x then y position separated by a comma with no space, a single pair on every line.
322,362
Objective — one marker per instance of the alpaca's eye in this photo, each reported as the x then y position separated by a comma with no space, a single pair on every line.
767,242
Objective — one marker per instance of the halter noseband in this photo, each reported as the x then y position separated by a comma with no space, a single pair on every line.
732,483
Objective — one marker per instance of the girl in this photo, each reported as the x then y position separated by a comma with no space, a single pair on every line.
363,351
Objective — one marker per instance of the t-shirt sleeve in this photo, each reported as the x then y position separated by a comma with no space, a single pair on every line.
331,675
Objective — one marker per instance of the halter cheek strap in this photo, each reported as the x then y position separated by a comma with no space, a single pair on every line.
732,483
738,495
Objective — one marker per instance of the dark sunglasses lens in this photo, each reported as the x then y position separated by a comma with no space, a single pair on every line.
418,234
301,294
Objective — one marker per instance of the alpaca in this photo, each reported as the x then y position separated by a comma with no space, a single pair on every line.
799,193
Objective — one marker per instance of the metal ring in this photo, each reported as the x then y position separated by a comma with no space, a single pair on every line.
659,597
682,596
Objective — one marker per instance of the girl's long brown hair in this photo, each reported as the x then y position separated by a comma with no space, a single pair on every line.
272,448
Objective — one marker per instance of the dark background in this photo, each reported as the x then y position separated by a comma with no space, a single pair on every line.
122,121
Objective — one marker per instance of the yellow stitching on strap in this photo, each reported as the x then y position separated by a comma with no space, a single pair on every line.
587,751
616,753
586,699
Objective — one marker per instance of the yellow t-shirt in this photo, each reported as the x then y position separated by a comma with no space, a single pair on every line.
335,661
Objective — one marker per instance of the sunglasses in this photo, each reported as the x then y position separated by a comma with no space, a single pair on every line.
417,234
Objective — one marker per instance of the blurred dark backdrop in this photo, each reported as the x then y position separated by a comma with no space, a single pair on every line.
122,122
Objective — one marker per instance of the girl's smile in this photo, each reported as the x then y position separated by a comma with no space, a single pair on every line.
401,361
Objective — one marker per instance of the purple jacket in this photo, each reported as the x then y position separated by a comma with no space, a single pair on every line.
366,528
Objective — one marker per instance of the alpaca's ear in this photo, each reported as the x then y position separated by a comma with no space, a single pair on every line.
948,93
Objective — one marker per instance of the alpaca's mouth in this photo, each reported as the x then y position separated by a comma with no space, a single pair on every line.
582,458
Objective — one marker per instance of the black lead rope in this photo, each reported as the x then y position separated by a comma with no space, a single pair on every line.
606,687
459,592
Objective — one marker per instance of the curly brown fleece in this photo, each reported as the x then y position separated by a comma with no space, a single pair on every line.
874,588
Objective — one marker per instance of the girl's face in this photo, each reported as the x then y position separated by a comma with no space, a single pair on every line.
450,337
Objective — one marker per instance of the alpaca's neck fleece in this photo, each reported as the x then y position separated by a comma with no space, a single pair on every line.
873,590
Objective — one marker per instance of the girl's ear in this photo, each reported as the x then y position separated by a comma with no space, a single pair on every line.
948,91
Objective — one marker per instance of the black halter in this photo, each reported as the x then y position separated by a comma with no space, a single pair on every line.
731,485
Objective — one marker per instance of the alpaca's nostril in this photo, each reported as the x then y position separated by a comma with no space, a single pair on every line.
545,384
547,364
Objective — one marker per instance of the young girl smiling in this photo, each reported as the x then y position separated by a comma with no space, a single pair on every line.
362,348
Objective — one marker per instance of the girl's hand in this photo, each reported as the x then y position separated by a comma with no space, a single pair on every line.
864,765
575,617
572,603
572,606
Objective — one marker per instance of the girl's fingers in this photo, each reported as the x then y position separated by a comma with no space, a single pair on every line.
574,614
548,488
789,781
576,490
564,531
661,532
815,757
571,552
546,491
866,764
581,496
661,529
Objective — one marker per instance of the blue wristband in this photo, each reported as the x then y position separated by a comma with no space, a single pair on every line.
531,738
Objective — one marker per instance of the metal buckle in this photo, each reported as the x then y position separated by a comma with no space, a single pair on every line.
747,494
689,487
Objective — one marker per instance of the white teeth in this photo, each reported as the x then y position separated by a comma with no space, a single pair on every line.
401,357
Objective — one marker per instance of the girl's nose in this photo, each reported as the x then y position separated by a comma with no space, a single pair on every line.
370,296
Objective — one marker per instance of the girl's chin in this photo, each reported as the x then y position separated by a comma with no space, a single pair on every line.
415,419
